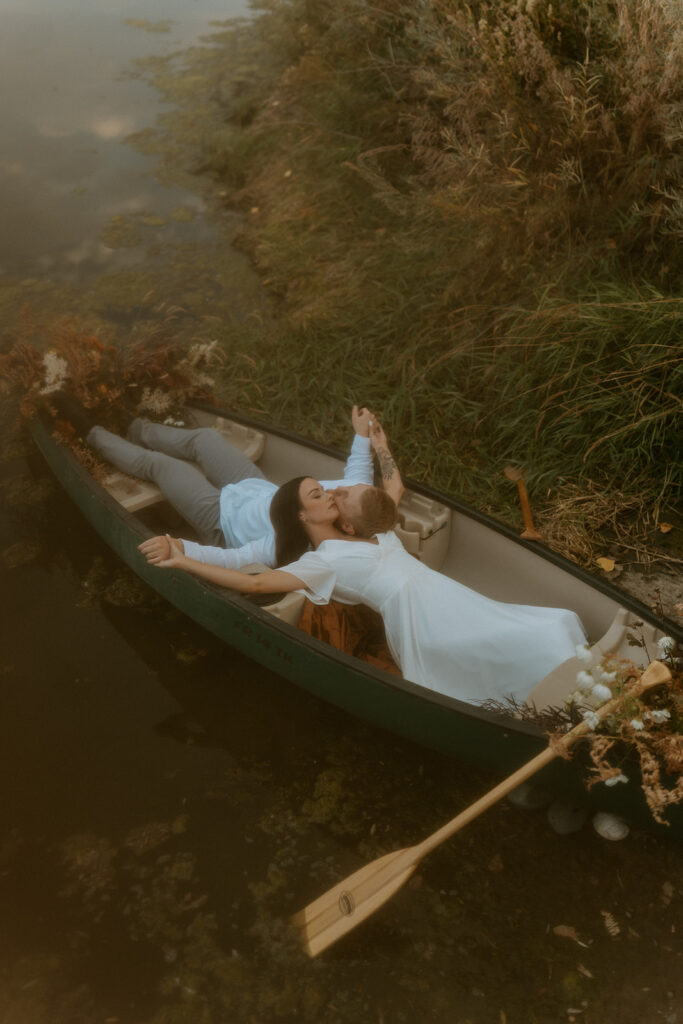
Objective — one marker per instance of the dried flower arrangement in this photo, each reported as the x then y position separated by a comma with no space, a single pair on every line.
646,728
152,375
643,731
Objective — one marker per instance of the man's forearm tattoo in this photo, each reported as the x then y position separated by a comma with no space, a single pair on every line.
387,466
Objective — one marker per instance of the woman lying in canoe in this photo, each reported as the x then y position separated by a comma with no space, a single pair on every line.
442,634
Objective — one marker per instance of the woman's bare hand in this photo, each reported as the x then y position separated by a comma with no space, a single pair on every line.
165,552
360,418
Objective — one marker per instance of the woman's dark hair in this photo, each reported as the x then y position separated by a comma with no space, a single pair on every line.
291,539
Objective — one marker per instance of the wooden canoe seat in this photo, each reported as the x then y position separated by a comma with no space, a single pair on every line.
553,690
424,528
132,493
288,607
135,494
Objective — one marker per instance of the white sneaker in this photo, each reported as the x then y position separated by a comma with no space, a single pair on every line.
610,826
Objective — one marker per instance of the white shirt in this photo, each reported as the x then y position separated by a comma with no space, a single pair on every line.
245,514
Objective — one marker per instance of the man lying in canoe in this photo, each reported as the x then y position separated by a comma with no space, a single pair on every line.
227,501
350,500
442,635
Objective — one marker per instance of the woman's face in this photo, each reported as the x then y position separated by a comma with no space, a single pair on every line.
317,505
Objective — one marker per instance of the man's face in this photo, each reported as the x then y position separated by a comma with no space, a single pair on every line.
347,500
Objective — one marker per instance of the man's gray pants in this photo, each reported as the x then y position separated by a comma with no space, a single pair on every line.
164,455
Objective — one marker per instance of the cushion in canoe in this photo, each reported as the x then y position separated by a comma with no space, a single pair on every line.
424,528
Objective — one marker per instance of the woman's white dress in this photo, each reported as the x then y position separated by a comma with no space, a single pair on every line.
442,634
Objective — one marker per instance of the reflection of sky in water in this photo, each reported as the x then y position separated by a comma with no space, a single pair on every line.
65,109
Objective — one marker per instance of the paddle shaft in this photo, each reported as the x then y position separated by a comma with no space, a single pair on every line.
483,804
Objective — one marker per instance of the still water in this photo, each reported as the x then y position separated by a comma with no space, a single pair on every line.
166,804
68,102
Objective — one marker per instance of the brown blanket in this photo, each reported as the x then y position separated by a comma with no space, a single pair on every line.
352,628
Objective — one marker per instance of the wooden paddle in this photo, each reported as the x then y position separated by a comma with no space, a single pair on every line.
530,532
343,907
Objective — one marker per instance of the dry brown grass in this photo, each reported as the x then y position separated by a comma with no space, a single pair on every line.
583,521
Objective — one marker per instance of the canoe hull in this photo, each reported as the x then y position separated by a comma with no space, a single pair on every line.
489,741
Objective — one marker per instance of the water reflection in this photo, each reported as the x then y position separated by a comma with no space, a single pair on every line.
68,104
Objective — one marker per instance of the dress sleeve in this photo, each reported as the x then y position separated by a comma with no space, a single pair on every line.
318,576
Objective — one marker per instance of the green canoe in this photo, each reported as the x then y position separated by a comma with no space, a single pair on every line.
480,552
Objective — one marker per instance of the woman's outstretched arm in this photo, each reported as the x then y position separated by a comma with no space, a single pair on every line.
170,555
261,551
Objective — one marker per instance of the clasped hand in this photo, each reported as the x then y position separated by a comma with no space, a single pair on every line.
366,424
165,552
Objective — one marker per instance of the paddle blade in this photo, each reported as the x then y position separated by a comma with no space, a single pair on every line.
347,904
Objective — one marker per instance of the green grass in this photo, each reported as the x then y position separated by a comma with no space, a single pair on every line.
467,217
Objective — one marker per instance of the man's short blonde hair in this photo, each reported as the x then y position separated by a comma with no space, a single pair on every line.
378,513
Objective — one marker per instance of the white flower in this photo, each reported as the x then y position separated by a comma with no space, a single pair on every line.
585,681
56,372
205,351
577,697
666,644
636,724
658,716
591,719
608,677
155,400
583,653
601,693
615,779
